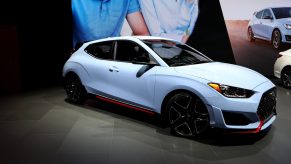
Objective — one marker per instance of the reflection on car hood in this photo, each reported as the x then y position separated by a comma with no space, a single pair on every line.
284,20
286,53
223,73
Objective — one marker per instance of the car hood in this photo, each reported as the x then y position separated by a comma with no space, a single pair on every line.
223,73
286,53
284,20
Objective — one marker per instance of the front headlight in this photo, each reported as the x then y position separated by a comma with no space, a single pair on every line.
231,92
287,26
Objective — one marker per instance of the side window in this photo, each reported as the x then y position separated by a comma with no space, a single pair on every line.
101,50
129,51
259,14
267,13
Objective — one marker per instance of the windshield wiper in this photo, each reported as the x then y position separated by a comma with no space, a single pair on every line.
200,62
178,64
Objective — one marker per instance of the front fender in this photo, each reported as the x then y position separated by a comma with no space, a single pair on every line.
168,84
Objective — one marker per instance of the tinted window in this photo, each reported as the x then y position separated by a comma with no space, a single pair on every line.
259,14
284,12
101,50
267,12
176,54
129,51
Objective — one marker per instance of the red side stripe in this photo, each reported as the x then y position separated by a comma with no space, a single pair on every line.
125,105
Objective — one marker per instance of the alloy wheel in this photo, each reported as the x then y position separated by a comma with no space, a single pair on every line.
250,35
286,78
276,39
187,115
74,89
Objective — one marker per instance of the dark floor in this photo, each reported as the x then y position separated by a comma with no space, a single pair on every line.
41,127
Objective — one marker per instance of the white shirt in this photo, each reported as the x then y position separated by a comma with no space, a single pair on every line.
170,18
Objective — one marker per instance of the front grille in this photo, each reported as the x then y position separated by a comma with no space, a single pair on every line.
288,37
232,118
267,106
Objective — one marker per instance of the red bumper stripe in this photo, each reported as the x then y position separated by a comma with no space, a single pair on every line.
257,130
126,105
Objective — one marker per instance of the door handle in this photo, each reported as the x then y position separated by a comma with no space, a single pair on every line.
113,69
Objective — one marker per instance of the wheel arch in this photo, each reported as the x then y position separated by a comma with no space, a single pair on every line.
70,73
175,91
276,28
77,69
285,68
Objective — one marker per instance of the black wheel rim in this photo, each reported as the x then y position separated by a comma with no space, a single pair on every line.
276,39
188,116
73,88
286,78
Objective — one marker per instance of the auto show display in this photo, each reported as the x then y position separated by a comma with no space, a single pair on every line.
282,68
271,24
159,75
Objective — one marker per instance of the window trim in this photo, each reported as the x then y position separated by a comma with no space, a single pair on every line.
265,11
261,15
116,46
112,49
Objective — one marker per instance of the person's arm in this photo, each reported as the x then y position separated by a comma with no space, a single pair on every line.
150,16
137,23
194,16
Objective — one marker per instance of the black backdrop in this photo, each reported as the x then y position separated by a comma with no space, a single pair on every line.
44,30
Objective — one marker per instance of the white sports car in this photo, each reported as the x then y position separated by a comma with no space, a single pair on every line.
272,24
161,76
282,68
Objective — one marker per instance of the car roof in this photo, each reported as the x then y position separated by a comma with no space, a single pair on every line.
133,38
274,7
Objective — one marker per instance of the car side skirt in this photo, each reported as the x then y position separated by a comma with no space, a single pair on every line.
117,101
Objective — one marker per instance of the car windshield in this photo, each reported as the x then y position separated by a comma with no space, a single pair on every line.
176,54
284,12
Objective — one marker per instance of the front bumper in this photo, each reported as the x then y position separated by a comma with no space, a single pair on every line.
286,36
247,115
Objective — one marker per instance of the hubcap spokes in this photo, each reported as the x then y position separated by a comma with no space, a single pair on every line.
72,89
187,116
250,34
287,79
276,39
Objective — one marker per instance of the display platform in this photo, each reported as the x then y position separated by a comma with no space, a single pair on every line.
41,127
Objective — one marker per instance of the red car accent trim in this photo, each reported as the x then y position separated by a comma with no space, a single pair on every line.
126,105
257,130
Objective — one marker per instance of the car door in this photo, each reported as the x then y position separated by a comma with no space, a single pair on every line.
101,56
266,24
257,22
132,75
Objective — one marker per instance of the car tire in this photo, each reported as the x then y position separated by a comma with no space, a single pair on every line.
75,91
286,78
250,35
276,39
187,115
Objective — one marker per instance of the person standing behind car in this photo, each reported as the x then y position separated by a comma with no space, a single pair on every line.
174,19
97,19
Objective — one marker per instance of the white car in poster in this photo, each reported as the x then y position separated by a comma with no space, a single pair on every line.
282,68
162,76
271,24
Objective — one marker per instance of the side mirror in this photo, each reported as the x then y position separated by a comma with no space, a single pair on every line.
144,69
268,17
